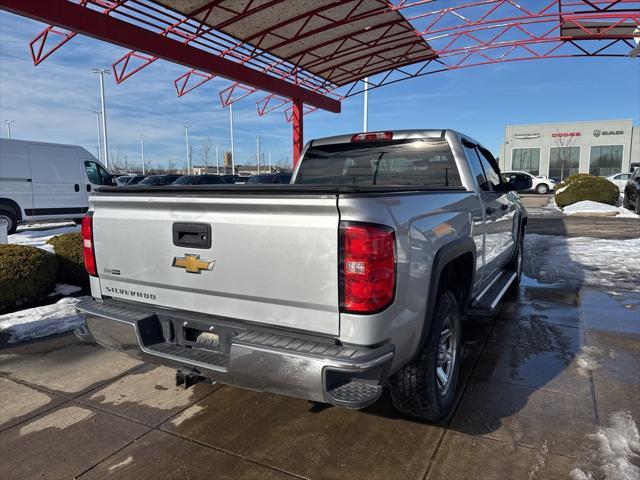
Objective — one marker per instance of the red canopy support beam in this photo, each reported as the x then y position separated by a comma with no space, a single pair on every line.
298,133
94,24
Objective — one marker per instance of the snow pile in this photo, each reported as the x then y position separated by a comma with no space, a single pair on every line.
38,238
64,289
42,321
618,453
591,208
580,261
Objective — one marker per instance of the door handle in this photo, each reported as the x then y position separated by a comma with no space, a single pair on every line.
76,188
88,187
192,235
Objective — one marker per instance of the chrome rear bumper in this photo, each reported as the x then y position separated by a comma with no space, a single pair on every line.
285,364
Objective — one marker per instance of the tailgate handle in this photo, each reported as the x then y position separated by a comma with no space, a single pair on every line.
192,235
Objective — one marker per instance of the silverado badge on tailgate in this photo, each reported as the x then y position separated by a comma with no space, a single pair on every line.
192,263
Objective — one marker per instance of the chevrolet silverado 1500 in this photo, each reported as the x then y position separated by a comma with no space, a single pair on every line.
353,278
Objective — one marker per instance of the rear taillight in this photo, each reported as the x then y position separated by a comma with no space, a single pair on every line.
372,137
87,245
367,267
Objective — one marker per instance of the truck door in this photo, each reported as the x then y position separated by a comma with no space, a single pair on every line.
56,180
488,184
507,208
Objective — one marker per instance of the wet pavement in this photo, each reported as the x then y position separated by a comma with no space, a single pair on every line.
556,367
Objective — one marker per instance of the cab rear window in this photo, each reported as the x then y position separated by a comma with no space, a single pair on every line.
422,162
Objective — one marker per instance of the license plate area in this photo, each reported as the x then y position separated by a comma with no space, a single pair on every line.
197,334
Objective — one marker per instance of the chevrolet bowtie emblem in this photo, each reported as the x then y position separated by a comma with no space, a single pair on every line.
192,263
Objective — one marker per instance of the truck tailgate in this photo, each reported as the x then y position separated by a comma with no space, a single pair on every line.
273,259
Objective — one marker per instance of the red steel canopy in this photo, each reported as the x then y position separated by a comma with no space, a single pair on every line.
303,51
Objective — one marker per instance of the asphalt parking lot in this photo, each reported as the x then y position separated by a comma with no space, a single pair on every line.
538,383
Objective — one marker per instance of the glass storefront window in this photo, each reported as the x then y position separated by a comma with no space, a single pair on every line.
563,162
526,160
605,160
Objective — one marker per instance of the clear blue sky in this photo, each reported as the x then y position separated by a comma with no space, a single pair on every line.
55,101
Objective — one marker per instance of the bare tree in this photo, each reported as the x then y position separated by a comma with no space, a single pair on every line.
205,152
171,167
117,158
563,145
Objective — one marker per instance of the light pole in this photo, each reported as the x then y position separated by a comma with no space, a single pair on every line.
9,122
186,137
258,152
270,170
101,72
365,123
99,134
233,153
142,151
217,161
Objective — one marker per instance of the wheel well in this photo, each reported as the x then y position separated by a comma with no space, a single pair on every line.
456,277
5,202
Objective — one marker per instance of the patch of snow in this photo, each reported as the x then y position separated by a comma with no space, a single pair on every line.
590,208
123,463
587,360
38,238
582,261
44,225
540,461
42,321
560,190
65,289
618,454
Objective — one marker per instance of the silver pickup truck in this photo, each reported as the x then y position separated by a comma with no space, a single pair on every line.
353,278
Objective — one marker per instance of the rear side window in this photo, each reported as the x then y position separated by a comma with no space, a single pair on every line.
423,162
490,167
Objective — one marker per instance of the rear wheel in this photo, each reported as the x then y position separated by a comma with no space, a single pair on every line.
542,188
8,218
637,204
625,203
425,388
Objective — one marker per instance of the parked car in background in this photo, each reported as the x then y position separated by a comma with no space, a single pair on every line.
404,235
136,179
261,178
159,180
282,178
46,181
230,178
632,192
620,179
199,180
122,180
269,178
539,185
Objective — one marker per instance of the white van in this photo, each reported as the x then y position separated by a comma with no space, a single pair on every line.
46,181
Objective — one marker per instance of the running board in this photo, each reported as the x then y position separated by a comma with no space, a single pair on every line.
487,304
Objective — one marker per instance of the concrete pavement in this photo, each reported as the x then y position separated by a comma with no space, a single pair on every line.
555,366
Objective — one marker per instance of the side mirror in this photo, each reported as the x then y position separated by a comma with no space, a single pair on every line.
519,183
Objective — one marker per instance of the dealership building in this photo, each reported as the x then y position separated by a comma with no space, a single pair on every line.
558,150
